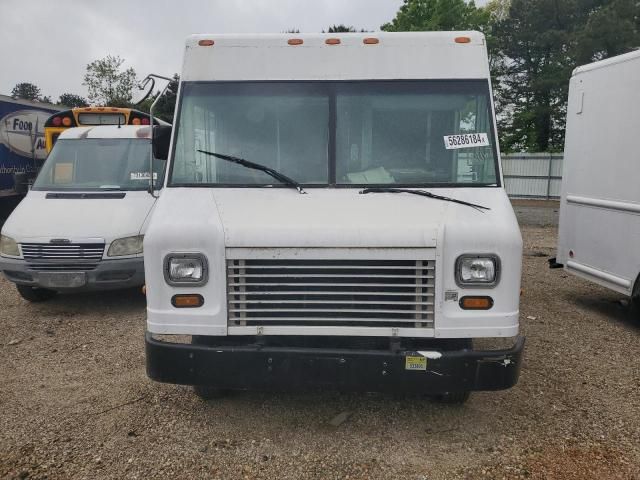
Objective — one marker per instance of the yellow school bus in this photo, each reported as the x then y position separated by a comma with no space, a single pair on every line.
91,116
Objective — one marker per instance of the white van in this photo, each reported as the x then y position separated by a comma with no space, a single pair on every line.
81,225
599,232
334,217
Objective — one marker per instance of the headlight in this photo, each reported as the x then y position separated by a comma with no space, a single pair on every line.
8,246
185,269
477,270
126,246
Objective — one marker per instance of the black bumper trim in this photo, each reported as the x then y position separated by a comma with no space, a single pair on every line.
254,367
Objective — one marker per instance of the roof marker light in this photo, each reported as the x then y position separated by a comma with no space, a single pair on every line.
295,41
205,43
66,121
370,41
463,40
332,41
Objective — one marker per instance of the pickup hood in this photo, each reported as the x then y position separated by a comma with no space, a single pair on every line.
79,218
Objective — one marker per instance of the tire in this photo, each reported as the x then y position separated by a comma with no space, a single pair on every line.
206,392
453,398
35,294
634,303
634,308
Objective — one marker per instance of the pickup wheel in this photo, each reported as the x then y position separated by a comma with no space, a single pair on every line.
35,294
453,398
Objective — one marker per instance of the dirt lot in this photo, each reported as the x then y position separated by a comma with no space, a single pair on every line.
75,402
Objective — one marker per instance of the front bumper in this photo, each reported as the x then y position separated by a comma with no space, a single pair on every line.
107,275
255,367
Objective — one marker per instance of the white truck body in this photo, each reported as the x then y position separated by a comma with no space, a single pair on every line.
599,230
239,229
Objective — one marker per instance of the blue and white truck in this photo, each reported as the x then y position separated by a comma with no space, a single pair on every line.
22,147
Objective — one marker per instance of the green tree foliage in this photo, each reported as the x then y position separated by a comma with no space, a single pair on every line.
421,15
72,101
108,84
26,91
340,29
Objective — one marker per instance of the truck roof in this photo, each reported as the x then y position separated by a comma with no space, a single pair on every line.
349,56
107,131
29,103
625,57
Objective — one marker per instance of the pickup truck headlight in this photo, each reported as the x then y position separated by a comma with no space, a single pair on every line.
477,270
8,246
126,246
185,269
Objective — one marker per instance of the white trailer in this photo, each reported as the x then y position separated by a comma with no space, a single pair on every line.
599,234
334,217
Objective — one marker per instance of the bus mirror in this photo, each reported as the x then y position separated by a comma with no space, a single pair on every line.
21,183
145,88
161,139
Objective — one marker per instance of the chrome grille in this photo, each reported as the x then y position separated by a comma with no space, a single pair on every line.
376,293
62,257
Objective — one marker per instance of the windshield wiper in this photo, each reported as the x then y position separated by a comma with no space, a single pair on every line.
256,166
422,193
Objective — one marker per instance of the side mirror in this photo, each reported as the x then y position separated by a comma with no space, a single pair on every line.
21,183
145,88
161,140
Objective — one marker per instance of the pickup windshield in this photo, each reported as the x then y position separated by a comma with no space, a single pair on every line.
99,164
337,133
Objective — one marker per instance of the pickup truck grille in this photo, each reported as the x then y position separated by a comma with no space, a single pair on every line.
374,293
60,257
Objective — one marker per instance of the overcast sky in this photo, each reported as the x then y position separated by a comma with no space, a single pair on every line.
49,43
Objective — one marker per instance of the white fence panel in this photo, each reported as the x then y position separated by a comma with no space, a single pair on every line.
532,175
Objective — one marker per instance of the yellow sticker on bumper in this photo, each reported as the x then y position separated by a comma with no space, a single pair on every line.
415,363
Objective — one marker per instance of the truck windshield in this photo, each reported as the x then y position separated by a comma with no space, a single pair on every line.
333,133
99,164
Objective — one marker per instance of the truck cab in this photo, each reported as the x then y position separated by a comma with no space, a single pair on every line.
81,225
334,217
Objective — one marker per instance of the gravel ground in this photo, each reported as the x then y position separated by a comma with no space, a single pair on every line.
539,213
75,402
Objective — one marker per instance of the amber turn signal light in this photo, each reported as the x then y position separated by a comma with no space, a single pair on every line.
187,301
476,303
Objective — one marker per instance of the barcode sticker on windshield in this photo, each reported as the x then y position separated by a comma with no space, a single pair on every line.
143,175
466,140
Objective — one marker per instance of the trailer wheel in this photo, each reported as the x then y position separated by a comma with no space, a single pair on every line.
453,398
35,294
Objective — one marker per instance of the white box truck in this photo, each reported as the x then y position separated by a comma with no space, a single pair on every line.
599,232
334,217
